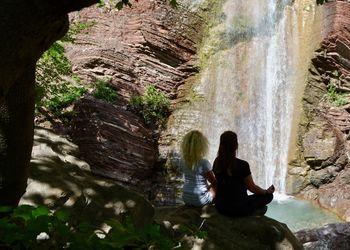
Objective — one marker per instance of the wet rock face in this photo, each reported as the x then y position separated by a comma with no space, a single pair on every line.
329,237
149,43
324,133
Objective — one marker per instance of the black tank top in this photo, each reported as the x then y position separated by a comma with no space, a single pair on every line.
230,183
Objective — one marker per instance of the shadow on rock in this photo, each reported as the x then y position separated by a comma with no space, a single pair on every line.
57,178
251,232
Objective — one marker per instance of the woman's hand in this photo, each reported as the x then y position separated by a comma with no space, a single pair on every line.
252,187
270,190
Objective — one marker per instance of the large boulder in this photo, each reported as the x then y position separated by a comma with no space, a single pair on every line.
124,149
58,178
328,237
252,232
334,196
318,145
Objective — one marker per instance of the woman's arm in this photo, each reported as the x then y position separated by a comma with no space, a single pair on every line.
252,187
212,180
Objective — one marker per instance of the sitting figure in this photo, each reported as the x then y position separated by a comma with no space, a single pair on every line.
234,179
197,170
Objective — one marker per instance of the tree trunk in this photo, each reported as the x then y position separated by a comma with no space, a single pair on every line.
16,137
28,28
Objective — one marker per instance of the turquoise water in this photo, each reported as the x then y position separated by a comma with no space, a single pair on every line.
300,214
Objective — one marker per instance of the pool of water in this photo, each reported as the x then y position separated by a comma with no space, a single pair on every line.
299,214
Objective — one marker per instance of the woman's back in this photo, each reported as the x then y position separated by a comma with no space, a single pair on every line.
195,189
230,183
234,179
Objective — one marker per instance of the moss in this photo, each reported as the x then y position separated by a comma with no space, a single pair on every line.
213,16
220,35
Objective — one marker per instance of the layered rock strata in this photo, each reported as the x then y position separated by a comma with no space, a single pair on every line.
58,178
321,171
147,44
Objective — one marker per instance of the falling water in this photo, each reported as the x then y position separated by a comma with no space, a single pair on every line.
249,82
249,87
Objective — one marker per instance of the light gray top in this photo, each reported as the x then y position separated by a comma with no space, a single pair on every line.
195,189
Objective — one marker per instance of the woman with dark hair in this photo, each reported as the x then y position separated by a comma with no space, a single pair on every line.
234,179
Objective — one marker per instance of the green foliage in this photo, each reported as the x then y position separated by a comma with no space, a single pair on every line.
125,234
56,86
54,58
28,227
52,91
65,96
193,230
339,99
101,3
173,3
319,2
76,28
104,92
122,3
153,105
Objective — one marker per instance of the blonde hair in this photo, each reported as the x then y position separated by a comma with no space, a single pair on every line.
194,147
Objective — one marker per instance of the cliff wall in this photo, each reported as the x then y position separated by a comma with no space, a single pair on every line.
149,43
321,170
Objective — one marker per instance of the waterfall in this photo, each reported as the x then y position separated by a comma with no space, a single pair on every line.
256,60
249,89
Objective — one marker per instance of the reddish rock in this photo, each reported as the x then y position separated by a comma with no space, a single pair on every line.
113,141
329,182
149,43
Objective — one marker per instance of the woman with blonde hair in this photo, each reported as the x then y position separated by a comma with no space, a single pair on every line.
197,170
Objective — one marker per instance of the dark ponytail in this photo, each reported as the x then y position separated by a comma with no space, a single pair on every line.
227,151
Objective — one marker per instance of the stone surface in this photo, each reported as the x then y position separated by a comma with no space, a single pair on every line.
149,43
253,232
114,141
323,144
318,146
58,178
295,184
332,196
323,176
329,237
